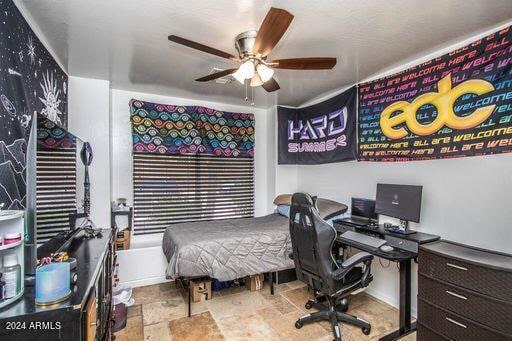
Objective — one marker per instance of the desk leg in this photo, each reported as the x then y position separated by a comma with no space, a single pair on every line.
405,325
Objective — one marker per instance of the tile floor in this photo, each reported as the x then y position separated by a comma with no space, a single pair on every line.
236,313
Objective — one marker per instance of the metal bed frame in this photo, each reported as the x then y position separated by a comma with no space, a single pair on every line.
185,285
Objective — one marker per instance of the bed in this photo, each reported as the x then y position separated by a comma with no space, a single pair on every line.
228,249
235,248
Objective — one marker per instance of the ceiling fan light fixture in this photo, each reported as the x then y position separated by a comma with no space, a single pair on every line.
239,76
256,80
247,69
264,72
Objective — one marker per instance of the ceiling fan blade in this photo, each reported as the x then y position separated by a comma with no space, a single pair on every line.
271,85
308,63
271,30
202,47
216,75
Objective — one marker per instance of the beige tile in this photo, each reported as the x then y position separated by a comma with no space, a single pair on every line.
198,327
134,310
359,299
246,327
295,284
155,293
281,287
243,315
157,332
236,304
346,335
280,303
268,313
132,331
278,288
163,311
196,307
371,308
381,323
298,296
284,326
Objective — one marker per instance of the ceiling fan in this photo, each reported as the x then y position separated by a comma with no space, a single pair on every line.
253,48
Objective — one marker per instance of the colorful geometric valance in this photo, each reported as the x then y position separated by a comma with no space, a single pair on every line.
186,130
52,136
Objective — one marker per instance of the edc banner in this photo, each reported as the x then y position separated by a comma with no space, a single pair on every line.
456,105
321,133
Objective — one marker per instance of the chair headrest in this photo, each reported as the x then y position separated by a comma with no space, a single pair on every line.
302,199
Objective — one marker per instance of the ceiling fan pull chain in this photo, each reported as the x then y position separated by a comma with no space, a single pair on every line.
246,94
252,96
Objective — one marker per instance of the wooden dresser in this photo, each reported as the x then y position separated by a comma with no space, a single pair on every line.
464,293
86,315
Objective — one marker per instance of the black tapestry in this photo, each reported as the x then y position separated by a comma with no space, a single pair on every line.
30,81
321,133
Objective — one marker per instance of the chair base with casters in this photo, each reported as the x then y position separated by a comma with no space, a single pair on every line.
334,313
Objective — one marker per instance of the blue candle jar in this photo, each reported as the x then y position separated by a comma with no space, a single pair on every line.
52,283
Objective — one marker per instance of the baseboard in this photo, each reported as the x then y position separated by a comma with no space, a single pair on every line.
146,281
391,300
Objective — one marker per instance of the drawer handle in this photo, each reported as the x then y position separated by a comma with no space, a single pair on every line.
457,267
456,295
456,323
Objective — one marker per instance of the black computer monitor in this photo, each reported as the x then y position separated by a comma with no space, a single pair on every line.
399,201
364,209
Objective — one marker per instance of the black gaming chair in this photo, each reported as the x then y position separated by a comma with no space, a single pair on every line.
312,240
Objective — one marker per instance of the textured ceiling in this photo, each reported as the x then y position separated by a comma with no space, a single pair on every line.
125,41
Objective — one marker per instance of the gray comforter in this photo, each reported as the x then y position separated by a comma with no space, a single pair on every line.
228,249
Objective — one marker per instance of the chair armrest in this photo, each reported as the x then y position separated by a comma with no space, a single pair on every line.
346,266
359,257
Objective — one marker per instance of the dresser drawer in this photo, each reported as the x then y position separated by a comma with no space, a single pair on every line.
426,334
487,281
454,326
487,311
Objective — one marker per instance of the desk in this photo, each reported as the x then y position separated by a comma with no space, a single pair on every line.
403,257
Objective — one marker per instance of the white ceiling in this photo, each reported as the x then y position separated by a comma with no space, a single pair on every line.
125,41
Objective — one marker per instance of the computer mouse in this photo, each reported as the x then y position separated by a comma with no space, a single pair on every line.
386,248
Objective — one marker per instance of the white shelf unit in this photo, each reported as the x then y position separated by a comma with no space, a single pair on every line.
13,222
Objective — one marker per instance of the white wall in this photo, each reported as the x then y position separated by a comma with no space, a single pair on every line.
466,200
88,117
285,177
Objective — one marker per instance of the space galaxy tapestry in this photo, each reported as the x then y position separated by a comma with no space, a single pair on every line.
31,82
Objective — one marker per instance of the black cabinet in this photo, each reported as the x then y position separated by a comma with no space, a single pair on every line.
464,293
86,315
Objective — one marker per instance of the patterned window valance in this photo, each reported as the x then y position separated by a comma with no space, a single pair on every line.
185,130
52,136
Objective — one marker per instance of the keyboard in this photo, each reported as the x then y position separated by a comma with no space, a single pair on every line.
363,239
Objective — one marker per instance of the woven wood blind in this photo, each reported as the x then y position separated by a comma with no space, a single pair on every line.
170,189
56,191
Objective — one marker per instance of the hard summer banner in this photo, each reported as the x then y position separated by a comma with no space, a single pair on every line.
321,133
456,105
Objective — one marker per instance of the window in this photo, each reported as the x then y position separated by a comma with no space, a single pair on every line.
170,189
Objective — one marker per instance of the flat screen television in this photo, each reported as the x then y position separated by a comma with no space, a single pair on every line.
55,184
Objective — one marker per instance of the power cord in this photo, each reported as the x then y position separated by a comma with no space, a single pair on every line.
384,266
